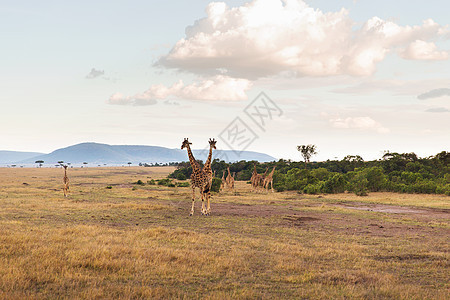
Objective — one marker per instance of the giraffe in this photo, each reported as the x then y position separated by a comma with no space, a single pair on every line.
199,179
269,180
253,178
207,167
257,180
222,184
66,182
230,180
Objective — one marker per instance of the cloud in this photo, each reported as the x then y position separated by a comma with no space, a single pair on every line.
363,123
268,37
434,94
95,73
217,88
437,110
395,86
421,50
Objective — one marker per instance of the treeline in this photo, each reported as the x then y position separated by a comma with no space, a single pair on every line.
394,172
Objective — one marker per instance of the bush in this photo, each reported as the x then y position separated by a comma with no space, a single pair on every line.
314,188
140,182
335,184
216,182
183,184
152,182
180,176
165,181
359,184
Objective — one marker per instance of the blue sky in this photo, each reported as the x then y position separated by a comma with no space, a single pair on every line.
346,75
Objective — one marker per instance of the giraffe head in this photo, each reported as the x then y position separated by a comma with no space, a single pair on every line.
212,143
65,167
185,143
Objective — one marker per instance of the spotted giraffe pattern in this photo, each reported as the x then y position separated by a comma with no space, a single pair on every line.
199,179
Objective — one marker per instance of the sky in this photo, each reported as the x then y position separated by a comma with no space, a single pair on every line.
353,77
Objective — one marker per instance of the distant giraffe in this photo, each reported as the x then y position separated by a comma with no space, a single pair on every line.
207,167
222,184
230,180
199,179
257,180
253,178
269,180
66,182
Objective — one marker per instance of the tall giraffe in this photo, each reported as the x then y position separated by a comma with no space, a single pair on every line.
207,166
269,180
199,179
66,182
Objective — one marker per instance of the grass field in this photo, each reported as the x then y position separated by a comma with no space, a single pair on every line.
132,241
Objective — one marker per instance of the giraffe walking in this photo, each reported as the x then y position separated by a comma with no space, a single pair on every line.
199,179
269,180
66,182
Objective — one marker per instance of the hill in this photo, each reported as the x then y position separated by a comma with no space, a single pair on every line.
95,153
8,157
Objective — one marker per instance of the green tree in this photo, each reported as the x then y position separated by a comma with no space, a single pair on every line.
307,151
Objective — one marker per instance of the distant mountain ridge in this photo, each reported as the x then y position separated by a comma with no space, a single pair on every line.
8,157
96,153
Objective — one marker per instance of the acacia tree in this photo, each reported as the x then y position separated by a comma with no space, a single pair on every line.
39,162
307,151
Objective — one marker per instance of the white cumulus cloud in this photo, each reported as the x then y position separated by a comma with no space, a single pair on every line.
363,123
268,37
421,50
218,87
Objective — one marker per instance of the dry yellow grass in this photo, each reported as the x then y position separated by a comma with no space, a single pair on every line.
134,241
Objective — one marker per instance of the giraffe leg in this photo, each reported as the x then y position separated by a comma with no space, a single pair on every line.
203,203
208,207
193,201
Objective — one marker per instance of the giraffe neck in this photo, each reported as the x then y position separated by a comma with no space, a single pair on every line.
208,160
194,163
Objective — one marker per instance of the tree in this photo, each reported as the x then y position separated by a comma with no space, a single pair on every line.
307,151
40,162
129,164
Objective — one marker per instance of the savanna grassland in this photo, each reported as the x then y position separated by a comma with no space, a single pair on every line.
114,239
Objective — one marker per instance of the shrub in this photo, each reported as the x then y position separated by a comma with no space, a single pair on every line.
140,182
359,184
314,188
165,181
376,180
183,184
335,184
216,182
152,182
